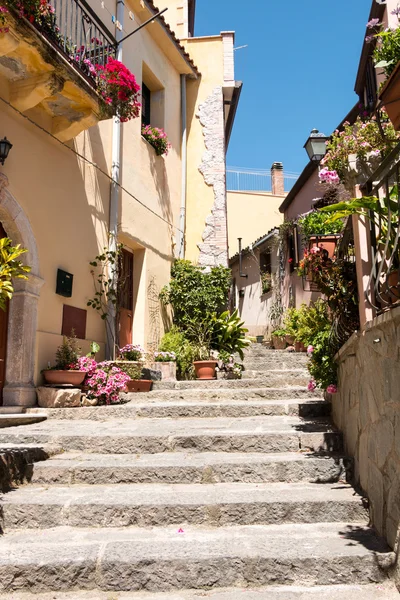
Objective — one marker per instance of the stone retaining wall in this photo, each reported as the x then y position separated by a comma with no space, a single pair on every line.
367,410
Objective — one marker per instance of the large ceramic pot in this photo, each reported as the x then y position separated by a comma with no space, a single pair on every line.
59,377
205,369
279,342
139,385
167,370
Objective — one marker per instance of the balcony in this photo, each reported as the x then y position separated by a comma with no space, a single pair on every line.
48,63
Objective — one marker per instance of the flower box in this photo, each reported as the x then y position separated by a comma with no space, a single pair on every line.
390,97
167,370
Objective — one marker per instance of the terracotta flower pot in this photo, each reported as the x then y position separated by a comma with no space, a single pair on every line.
299,347
139,385
390,97
290,340
279,342
59,377
205,369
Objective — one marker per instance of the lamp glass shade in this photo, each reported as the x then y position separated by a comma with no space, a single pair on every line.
5,147
316,145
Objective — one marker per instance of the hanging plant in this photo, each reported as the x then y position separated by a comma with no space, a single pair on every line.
119,89
157,138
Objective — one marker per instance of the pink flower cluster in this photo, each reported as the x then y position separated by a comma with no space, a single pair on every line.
331,389
157,138
106,382
311,385
3,12
327,176
119,89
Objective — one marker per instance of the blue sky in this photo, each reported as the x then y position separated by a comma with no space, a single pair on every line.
298,71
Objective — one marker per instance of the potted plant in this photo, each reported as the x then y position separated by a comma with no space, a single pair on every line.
166,363
135,383
227,367
279,339
66,370
203,360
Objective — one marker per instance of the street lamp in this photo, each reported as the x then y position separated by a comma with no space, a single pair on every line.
5,147
316,145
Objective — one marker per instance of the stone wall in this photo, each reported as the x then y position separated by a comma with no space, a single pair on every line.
367,410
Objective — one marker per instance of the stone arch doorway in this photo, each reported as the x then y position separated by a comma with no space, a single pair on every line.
19,389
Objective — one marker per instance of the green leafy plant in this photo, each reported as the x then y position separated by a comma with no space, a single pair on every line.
266,282
133,371
194,294
229,334
387,50
318,223
94,349
291,321
175,341
106,280
10,268
279,333
200,334
67,353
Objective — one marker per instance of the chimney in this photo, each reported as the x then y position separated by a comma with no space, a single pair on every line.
278,186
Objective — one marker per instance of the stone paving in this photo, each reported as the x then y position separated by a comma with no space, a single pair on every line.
223,491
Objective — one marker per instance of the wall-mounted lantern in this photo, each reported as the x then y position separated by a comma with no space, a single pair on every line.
316,145
5,147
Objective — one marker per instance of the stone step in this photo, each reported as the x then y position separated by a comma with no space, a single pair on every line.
12,420
194,408
209,393
269,379
130,436
263,372
167,559
273,366
181,467
153,505
379,591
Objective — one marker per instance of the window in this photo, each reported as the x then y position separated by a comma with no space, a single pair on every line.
265,262
371,87
293,249
146,105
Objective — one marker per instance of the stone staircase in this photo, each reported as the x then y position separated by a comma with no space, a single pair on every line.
223,490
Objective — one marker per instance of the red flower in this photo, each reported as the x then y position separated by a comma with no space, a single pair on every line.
290,260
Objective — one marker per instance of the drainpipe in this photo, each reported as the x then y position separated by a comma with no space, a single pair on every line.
182,216
114,196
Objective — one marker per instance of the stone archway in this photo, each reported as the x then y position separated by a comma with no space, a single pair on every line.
22,325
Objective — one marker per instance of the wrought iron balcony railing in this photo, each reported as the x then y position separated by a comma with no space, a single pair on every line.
383,289
75,30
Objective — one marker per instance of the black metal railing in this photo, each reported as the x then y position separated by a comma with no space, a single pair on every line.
383,289
76,30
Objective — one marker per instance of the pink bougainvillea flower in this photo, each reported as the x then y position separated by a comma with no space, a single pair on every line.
310,349
331,389
311,385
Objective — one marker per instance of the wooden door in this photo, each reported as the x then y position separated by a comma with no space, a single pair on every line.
3,336
126,299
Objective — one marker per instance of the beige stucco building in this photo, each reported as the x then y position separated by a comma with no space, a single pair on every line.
57,197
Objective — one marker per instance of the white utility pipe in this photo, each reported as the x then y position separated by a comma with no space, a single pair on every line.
114,194
182,216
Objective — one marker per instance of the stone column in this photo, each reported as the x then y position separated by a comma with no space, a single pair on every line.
20,362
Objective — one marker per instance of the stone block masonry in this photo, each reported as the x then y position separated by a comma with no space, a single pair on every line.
367,410
214,249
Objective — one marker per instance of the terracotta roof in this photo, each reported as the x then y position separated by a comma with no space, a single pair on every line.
257,242
150,4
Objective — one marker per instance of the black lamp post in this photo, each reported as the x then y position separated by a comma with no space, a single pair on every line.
316,145
5,147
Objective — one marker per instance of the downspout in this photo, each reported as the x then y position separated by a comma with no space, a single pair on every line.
114,196
182,215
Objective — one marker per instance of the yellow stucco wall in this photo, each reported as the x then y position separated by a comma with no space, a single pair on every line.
250,216
67,201
207,53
